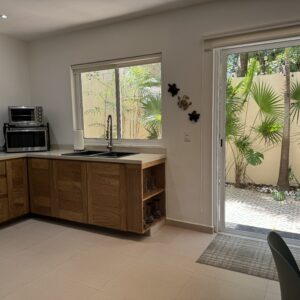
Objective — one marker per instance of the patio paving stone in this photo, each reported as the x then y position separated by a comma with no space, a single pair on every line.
257,209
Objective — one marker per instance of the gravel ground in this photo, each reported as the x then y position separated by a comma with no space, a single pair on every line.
253,208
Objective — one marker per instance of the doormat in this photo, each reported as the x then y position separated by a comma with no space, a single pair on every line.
244,255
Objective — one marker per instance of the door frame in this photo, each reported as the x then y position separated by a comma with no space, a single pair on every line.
219,119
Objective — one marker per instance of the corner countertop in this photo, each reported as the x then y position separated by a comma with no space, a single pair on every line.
141,158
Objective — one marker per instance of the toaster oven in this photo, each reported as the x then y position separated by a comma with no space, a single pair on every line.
25,116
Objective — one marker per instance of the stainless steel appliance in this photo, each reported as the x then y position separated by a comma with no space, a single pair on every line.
25,115
25,139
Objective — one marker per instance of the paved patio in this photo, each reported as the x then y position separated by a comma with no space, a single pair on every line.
257,209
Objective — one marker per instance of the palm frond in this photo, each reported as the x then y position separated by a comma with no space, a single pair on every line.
234,106
151,106
153,131
248,80
233,127
270,130
243,144
265,97
231,90
295,103
233,101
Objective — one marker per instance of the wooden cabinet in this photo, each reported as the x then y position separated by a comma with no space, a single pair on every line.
114,195
107,195
41,186
70,190
17,185
3,193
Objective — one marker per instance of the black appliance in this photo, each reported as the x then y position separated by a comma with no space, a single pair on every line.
26,139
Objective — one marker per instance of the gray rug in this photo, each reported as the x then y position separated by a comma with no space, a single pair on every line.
244,255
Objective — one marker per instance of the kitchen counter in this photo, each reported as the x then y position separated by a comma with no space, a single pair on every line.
106,192
141,158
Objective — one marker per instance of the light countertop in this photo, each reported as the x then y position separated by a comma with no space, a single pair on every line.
141,158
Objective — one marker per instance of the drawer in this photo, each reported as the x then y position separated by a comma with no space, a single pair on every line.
39,163
3,186
105,168
2,168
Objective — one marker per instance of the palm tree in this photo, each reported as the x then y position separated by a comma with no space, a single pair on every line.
291,112
283,178
266,127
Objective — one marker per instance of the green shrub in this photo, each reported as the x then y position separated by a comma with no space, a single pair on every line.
278,195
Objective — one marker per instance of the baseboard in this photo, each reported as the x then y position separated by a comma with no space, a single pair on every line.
192,226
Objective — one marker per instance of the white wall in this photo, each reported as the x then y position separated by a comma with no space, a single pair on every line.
178,35
14,76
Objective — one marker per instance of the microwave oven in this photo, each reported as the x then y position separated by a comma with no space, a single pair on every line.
25,115
26,139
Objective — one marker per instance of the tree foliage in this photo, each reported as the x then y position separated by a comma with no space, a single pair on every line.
269,125
266,126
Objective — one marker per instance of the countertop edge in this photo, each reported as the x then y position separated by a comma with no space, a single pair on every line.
140,159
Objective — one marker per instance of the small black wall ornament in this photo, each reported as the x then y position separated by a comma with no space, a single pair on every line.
194,116
173,89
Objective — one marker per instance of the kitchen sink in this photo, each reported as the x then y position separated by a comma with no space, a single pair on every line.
84,153
99,154
115,154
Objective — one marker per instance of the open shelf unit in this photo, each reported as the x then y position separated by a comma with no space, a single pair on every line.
153,179
146,196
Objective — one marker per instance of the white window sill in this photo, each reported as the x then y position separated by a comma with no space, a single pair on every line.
151,147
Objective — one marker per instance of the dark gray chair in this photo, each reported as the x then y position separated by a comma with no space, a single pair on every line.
287,268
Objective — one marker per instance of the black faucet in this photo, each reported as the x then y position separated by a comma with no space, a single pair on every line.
109,133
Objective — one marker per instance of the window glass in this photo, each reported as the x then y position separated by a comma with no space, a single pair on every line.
140,95
98,101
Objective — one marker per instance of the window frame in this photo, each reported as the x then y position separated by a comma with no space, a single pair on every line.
77,103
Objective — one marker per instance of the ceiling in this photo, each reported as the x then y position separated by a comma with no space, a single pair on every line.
32,19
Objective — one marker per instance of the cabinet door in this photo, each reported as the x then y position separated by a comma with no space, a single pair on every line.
17,187
70,190
40,184
3,193
107,195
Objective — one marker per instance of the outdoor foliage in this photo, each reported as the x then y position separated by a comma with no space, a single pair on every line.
141,100
266,126
276,111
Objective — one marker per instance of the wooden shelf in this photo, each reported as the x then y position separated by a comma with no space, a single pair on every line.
152,193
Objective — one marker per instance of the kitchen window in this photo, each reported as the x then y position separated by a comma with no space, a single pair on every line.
129,90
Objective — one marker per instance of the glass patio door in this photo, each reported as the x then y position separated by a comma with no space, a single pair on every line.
259,138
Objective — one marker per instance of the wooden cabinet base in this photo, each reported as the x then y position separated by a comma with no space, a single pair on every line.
107,195
70,190
111,195
41,186
17,186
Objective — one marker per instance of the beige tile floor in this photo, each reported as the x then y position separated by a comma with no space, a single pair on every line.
50,261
